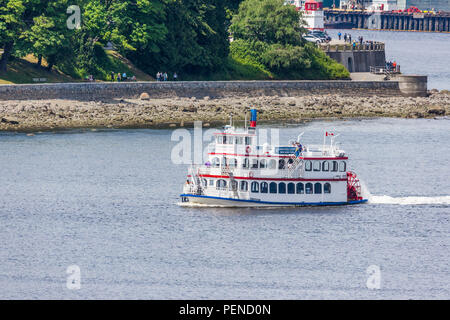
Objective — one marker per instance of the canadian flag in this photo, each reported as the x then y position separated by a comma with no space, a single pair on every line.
329,134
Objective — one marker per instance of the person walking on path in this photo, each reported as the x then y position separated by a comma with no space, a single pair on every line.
339,35
345,37
175,76
165,76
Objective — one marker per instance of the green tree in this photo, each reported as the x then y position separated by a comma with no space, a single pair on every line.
11,23
131,25
269,21
268,33
196,40
48,36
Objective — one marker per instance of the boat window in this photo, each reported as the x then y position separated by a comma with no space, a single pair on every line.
325,166
246,163
318,188
219,139
221,183
282,187
300,188
211,182
239,140
230,140
254,163
263,163
309,188
272,164
342,166
244,185
216,162
273,187
224,139
233,185
205,182
224,162
255,187
248,141
316,165
290,161
264,187
308,166
233,162
281,164
291,188
335,166
327,188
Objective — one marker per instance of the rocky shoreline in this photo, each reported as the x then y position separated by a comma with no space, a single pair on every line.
40,115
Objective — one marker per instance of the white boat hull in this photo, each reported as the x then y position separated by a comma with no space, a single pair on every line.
189,200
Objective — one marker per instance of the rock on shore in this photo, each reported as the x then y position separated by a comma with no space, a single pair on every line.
32,115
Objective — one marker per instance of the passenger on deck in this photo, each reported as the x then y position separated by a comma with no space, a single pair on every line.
298,150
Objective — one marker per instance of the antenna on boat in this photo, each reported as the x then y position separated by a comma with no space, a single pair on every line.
231,119
245,123
300,135
332,139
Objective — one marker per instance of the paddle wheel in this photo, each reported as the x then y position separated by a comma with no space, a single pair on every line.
353,187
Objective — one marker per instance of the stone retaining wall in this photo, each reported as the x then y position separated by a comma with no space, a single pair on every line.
198,89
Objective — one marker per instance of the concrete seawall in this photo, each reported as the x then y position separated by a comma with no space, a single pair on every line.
198,89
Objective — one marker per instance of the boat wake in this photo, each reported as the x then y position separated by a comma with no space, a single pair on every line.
413,200
409,200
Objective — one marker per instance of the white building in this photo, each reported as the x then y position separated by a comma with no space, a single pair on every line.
313,15
312,12
385,5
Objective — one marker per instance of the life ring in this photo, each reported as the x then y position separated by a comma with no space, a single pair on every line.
248,149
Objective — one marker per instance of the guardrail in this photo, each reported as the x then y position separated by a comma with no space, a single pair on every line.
366,46
384,70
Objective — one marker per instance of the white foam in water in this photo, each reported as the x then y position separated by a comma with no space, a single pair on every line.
401,200
365,193
409,200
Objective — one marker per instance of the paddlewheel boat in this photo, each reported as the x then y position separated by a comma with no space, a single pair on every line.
241,173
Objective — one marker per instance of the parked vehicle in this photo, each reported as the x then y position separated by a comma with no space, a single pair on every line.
322,35
313,38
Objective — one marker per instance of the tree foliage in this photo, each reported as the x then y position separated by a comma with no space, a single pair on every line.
269,33
269,21
190,37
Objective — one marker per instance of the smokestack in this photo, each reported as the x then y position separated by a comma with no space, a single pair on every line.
253,117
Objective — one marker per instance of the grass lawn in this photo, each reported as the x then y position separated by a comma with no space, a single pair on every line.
24,70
